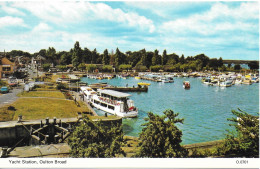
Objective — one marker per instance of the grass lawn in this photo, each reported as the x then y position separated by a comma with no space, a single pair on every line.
53,94
5,114
55,77
39,108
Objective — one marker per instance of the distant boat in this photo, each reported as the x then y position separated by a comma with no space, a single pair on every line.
226,83
186,84
207,80
144,84
238,81
167,80
247,81
137,77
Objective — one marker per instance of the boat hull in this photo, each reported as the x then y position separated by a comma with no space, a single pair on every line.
130,114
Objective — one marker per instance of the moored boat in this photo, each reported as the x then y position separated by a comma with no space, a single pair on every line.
226,83
186,84
113,102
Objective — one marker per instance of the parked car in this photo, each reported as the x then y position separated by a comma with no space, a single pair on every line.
4,89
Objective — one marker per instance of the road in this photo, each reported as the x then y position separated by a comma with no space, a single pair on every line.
10,97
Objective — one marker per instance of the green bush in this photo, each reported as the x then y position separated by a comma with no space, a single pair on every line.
107,68
140,68
244,141
95,139
160,137
61,86
155,68
91,67
125,67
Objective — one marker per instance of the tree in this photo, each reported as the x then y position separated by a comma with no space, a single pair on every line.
253,65
91,67
182,59
65,59
51,55
105,59
76,55
144,60
160,137
94,56
213,63
46,67
14,53
164,57
237,67
95,139
87,56
244,142
155,68
62,67
82,67
43,52
156,58
107,68
118,57
220,62
125,67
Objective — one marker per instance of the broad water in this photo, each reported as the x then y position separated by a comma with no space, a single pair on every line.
205,109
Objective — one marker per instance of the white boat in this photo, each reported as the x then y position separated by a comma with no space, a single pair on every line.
113,102
167,80
238,81
226,83
207,81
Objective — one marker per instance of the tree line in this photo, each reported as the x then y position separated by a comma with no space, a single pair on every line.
140,60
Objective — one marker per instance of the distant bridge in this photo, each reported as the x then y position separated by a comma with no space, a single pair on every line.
239,61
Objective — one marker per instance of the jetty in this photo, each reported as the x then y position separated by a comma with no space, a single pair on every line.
138,88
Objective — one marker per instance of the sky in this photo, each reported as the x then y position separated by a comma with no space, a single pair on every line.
218,29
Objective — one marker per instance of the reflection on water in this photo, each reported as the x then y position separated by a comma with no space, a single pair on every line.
205,109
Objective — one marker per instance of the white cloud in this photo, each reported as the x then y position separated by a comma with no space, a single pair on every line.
75,12
160,8
11,21
41,27
11,11
207,23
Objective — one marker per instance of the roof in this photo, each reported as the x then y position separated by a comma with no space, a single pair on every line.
6,61
114,93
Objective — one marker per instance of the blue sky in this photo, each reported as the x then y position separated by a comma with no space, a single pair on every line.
218,29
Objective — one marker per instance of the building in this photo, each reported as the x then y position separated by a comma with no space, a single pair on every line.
38,61
7,67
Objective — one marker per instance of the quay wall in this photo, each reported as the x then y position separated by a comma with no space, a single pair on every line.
15,133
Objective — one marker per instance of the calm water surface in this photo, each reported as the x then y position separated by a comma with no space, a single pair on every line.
205,109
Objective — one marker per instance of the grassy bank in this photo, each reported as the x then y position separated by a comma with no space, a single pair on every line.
38,108
6,114
41,104
49,94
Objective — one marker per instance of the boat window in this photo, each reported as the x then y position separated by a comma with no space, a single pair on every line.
111,107
103,104
97,102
